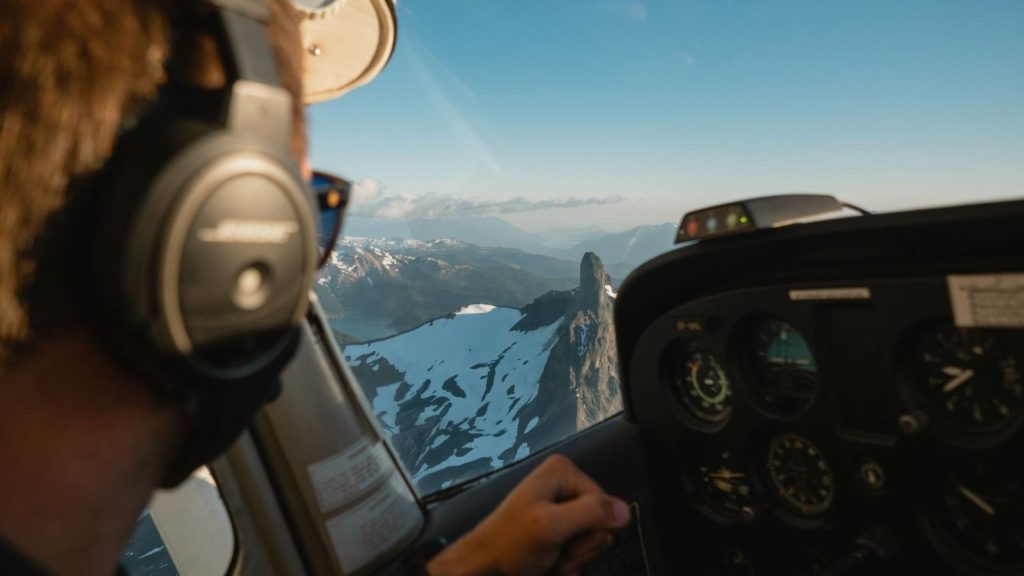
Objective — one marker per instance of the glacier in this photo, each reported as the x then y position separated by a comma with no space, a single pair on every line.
489,373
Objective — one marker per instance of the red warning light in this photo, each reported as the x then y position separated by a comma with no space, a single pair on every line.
692,227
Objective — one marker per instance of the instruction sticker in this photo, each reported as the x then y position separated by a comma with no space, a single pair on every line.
987,300
376,526
349,474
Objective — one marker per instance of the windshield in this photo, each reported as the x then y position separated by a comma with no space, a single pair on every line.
517,159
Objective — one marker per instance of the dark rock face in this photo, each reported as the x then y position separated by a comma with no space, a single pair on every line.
468,393
585,354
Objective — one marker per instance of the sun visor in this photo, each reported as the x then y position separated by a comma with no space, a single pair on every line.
347,43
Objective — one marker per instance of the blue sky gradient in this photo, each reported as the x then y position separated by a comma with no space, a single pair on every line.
636,111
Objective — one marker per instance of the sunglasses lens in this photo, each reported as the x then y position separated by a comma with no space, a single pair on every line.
320,181
328,229
331,198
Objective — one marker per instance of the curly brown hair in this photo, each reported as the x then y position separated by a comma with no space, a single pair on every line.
69,72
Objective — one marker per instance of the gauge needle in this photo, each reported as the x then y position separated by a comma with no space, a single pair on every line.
977,500
958,381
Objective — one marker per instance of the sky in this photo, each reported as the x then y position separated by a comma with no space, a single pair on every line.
619,113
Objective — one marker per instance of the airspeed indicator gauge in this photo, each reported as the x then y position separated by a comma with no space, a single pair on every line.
703,387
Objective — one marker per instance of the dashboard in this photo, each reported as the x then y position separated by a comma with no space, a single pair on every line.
841,397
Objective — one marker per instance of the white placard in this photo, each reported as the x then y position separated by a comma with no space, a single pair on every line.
360,535
831,294
987,300
349,474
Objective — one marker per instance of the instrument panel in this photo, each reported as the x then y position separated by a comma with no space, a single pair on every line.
839,426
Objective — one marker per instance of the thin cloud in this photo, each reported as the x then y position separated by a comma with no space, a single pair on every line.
432,206
365,191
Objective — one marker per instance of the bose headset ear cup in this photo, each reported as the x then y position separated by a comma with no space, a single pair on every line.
229,285
196,238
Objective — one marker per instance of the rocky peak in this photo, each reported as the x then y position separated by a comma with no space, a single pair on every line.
581,369
593,279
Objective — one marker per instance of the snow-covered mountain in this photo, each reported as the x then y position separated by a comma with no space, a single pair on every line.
620,251
373,288
470,392
479,230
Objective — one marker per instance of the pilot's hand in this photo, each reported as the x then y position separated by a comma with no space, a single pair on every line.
556,516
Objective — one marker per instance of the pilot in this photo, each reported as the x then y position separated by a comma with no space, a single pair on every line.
86,435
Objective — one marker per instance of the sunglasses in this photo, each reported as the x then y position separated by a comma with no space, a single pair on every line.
332,195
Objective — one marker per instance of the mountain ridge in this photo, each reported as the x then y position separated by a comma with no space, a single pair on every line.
472,391
629,247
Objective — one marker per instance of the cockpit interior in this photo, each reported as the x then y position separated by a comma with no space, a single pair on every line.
543,254
834,397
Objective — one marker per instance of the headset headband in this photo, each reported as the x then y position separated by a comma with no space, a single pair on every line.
257,103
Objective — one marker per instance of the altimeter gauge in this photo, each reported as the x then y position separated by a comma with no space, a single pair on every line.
967,380
703,387
800,475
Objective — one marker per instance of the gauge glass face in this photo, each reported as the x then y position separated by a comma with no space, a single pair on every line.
800,475
703,387
967,380
726,487
981,516
785,371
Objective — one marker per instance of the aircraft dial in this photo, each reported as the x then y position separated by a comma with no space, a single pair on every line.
981,520
800,475
703,387
785,371
967,380
726,487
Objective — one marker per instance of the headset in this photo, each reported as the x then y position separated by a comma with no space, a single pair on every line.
201,241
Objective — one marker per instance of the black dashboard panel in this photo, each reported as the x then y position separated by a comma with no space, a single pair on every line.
808,406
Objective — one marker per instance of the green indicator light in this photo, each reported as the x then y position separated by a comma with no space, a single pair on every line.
744,219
